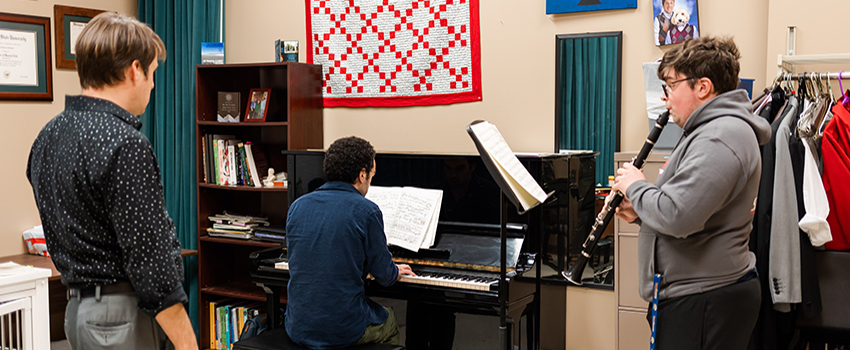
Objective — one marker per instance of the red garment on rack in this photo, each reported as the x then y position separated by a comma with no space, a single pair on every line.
836,176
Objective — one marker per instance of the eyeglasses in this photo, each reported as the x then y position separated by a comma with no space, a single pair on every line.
668,87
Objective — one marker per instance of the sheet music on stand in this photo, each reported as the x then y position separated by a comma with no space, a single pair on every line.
512,177
516,185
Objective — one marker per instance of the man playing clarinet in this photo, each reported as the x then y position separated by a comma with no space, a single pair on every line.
695,221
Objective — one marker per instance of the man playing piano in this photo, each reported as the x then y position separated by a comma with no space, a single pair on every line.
335,239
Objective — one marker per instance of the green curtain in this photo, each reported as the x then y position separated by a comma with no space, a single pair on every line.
589,75
169,122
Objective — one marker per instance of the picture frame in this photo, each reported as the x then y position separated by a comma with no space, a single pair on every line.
70,21
674,21
571,6
258,105
26,72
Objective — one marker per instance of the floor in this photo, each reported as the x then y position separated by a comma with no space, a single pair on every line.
473,332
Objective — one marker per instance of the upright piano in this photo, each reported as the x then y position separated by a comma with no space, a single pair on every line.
461,271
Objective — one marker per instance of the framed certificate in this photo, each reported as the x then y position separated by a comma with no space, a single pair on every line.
70,21
25,70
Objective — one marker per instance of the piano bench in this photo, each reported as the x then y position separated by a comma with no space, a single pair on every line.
277,339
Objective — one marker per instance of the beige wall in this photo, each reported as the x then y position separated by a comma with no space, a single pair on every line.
518,65
23,120
818,32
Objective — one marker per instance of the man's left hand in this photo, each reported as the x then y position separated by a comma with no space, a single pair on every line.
626,176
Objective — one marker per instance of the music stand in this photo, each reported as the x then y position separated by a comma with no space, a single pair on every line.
505,194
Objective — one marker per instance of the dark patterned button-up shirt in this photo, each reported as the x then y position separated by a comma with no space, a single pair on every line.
98,190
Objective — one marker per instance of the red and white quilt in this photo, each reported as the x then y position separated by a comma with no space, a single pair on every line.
391,53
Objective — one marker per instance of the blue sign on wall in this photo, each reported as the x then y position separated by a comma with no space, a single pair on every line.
565,6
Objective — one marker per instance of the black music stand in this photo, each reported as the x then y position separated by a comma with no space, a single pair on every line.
505,194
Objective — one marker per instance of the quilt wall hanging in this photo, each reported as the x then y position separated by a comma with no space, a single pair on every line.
394,53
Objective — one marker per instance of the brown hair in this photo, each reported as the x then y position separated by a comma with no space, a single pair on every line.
109,44
709,57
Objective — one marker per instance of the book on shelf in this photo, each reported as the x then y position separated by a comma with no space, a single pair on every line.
228,161
212,53
204,156
235,227
513,178
214,232
232,217
258,155
243,164
228,320
232,164
229,110
410,214
252,165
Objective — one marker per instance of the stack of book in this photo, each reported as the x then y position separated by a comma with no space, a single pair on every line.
228,319
235,225
230,162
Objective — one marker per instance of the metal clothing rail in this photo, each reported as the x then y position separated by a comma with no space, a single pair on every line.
788,62
821,75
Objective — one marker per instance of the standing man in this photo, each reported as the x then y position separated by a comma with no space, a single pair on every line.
662,22
335,239
696,220
98,190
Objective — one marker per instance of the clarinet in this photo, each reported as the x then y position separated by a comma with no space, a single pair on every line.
607,213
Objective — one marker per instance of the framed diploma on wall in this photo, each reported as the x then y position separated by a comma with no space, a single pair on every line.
25,69
70,21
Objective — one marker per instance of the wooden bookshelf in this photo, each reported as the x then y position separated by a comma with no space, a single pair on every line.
293,122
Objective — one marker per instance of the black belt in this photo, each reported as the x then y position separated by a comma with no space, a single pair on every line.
98,291
750,275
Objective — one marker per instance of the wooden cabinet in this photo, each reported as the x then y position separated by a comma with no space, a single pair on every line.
632,330
293,122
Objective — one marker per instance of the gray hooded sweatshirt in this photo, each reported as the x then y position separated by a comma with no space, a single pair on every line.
696,220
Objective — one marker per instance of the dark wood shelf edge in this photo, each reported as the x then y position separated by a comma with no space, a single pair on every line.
243,188
248,124
240,291
188,252
235,241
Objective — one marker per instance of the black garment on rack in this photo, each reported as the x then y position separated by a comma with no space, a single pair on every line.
811,301
765,335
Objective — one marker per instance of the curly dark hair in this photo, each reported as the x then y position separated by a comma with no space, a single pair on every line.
346,157
710,57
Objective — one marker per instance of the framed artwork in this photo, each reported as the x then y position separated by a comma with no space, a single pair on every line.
674,21
25,69
258,105
70,21
567,6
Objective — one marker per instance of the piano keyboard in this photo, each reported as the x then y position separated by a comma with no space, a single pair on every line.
466,280
450,280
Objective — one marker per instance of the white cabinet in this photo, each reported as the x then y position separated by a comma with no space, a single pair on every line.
24,312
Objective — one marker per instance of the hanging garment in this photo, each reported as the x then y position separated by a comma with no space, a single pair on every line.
814,198
784,270
811,304
836,172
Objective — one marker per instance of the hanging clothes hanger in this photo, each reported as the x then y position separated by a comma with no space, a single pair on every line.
830,102
845,100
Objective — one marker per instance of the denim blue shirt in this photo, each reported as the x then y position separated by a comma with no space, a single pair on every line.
334,238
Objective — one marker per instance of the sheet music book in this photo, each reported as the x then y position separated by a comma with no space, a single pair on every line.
410,214
526,190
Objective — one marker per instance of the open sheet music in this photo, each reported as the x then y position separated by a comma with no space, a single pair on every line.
526,190
410,214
